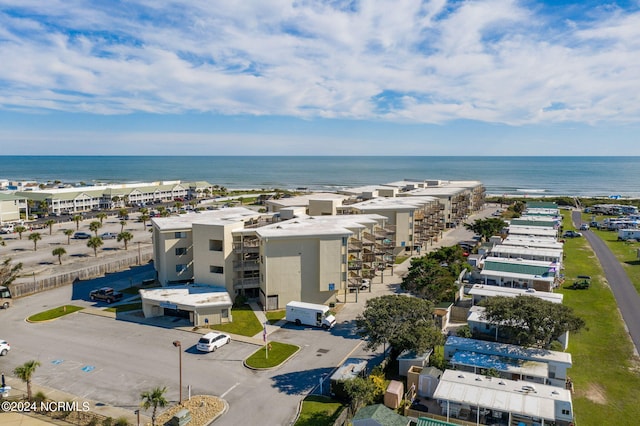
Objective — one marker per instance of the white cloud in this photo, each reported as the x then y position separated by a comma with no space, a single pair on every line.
416,61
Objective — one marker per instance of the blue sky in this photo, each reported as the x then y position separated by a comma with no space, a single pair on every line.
313,77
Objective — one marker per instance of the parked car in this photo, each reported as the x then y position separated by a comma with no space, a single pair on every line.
106,294
4,347
212,341
81,236
109,236
572,234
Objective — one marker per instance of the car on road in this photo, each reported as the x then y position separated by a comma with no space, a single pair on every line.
4,347
81,236
109,236
572,234
212,341
584,227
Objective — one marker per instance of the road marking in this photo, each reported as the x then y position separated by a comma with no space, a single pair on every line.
229,390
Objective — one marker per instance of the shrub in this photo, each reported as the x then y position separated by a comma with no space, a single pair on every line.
241,300
121,421
107,422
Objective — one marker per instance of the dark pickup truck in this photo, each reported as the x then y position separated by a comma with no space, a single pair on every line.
106,294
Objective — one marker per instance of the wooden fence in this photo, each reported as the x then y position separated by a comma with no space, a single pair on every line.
21,289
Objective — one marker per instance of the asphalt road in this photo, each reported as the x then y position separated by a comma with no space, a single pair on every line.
623,290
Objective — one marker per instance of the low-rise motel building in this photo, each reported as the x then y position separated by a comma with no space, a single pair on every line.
85,198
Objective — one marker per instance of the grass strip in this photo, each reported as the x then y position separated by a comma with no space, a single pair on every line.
245,322
54,313
319,410
276,355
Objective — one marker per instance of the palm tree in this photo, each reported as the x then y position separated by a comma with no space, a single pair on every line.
20,229
144,218
50,224
43,206
59,251
123,213
68,233
24,373
125,237
95,226
154,398
143,210
77,218
178,205
35,237
102,216
95,243
122,224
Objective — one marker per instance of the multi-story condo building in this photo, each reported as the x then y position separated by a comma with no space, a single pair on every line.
274,258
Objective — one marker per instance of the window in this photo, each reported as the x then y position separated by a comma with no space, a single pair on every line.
181,251
224,313
344,241
566,412
215,245
216,269
180,235
181,268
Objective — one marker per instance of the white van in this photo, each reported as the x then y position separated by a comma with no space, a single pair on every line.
212,341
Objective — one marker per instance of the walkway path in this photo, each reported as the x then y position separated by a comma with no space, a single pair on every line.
623,290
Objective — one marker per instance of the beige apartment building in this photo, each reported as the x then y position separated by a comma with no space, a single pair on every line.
271,259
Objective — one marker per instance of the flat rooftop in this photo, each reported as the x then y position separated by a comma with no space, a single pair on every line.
501,363
222,216
517,397
493,290
503,349
191,295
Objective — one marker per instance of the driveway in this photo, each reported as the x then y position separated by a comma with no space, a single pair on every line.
623,290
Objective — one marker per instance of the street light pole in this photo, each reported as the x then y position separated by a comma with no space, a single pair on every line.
178,345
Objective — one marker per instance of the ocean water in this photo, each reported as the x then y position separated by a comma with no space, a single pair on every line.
531,176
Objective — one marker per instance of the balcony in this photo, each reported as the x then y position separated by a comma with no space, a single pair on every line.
246,265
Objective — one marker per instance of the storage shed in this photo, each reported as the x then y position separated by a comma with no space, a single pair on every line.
393,395
423,380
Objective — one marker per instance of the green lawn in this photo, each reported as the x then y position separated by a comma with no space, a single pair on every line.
244,322
275,316
125,308
605,373
319,411
278,354
54,313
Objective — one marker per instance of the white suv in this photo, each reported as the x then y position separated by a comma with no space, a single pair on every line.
212,341
4,347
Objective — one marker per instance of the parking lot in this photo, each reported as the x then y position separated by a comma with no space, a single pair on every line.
113,360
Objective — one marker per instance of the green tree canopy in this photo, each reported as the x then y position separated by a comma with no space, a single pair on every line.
531,321
68,233
434,275
25,372
20,229
95,243
35,237
404,322
77,219
153,399
125,237
59,251
486,228
361,391
95,226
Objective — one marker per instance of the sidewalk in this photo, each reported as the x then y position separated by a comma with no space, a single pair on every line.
18,387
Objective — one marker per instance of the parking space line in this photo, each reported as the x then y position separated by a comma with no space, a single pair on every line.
229,390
